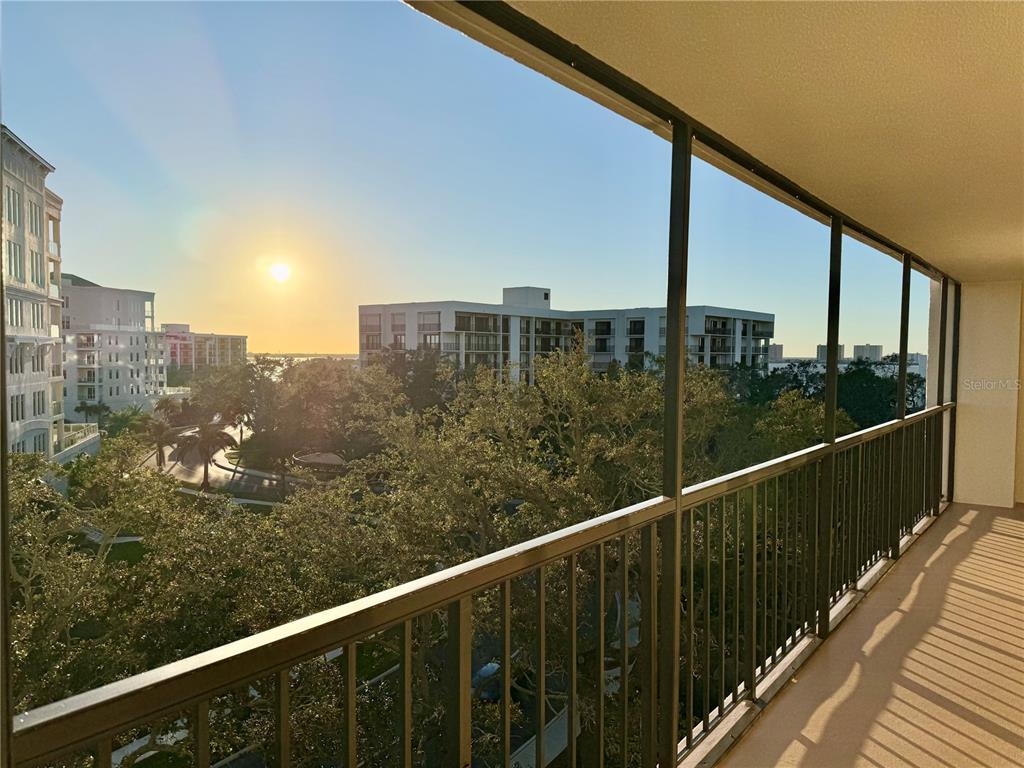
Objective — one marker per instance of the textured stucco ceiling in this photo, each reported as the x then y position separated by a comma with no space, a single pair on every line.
907,116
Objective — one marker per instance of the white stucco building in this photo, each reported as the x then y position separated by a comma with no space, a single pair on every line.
189,351
113,354
524,325
31,274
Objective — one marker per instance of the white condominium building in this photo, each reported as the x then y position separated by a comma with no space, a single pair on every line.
524,326
870,352
113,353
190,351
31,275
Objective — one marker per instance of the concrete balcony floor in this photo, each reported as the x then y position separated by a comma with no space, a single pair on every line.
928,670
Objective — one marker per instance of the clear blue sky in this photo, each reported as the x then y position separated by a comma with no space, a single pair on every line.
383,157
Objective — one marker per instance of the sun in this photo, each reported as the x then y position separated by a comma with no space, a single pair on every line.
280,272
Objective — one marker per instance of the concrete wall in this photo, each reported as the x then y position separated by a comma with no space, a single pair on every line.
987,460
1020,408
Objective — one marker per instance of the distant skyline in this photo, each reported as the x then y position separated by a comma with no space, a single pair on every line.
380,157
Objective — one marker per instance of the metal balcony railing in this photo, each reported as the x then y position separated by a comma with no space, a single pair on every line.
719,585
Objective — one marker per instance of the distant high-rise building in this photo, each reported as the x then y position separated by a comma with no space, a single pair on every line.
189,351
775,353
822,355
114,354
525,326
31,274
870,352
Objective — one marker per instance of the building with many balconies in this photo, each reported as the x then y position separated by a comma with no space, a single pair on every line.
31,276
524,326
113,353
189,351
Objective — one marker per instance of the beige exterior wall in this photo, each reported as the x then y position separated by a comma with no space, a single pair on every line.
1020,408
987,459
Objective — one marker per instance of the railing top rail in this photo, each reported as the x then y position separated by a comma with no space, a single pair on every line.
53,729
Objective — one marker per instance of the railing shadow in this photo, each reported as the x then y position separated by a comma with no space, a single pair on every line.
927,671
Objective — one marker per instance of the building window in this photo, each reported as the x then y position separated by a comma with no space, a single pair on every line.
369,323
15,262
35,219
12,200
636,327
14,312
398,341
39,443
37,316
17,405
38,269
603,328
431,341
39,403
371,341
429,322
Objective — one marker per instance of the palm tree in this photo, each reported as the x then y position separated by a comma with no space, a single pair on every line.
167,407
130,419
97,410
160,435
206,441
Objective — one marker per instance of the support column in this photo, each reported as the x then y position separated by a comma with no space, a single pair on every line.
827,496
670,529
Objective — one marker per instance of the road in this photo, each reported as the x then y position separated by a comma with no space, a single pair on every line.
188,468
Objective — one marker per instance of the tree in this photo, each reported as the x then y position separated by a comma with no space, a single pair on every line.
160,435
168,407
130,419
98,411
205,442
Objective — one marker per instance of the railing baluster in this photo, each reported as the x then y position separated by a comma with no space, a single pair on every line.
801,559
737,600
351,689
282,713
722,598
624,646
201,733
707,617
405,714
668,641
688,526
506,671
458,671
572,715
649,647
786,543
599,623
763,632
775,574
541,693
102,752
814,540
750,551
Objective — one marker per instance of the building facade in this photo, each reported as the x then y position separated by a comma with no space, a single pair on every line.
189,351
31,274
524,326
870,352
113,354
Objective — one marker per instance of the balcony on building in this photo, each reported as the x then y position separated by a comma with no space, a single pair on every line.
868,606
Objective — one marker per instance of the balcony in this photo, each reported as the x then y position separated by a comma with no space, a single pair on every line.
749,541
926,671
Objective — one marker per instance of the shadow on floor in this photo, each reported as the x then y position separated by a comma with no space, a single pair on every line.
928,670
